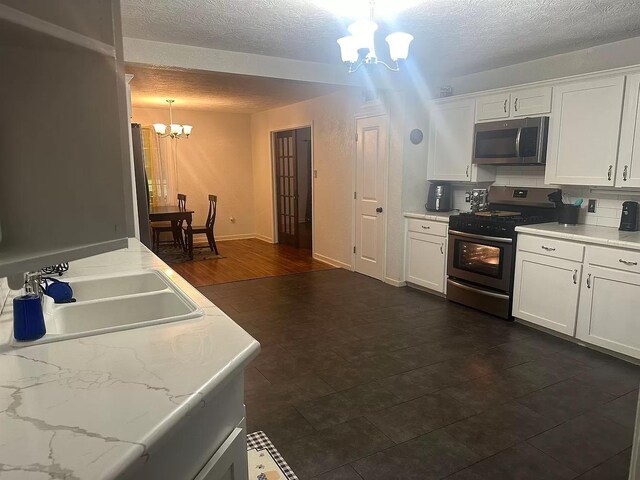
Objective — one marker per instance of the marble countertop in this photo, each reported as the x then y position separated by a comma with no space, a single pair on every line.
434,216
90,407
585,233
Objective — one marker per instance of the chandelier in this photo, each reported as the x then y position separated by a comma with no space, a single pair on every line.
175,130
359,49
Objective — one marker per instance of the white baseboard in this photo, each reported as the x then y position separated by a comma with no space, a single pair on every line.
238,236
394,282
264,238
331,261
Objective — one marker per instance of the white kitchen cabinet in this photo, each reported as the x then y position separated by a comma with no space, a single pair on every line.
230,460
546,291
65,187
610,300
493,107
518,103
628,172
426,254
531,101
451,143
584,132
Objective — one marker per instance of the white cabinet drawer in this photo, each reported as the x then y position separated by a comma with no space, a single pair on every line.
493,107
532,101
551,247
617,259
427,226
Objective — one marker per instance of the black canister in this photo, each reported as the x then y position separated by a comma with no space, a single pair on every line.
568,214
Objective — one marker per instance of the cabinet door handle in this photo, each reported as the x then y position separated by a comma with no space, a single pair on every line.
548,249
628,262
515,105
625,172
424,227
589,281
575,277
609,172
442,248
505,106
467,171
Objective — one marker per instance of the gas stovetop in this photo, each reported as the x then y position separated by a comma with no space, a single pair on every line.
496,223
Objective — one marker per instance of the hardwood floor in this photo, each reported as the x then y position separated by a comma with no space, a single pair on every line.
248,259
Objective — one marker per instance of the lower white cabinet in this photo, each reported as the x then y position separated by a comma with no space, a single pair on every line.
426,257
597,299
546,291
609,306
230,460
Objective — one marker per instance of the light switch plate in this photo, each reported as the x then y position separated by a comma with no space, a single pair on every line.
592,206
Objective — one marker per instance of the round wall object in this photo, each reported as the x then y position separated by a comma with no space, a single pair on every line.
416,136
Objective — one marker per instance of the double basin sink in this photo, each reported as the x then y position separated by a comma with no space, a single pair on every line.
118,302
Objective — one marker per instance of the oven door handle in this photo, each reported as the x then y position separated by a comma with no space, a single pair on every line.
518,142
482,291
481,237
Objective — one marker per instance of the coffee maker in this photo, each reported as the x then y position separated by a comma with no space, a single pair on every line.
629,218
439,197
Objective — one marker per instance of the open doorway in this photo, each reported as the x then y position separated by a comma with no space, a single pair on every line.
293,173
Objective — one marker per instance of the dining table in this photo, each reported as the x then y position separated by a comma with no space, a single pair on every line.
173,214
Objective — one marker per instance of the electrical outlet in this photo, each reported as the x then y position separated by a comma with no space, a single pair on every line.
315,174
592,206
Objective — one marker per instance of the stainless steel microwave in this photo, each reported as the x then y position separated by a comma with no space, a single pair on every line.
511,142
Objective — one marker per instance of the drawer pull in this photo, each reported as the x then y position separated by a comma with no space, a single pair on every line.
575,277
589,281
424,227
442,248
609,172
627,262
548,249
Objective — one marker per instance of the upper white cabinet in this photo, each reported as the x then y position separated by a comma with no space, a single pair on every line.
518,103
65,187
584,132
493,107
451,143
628,171
531,101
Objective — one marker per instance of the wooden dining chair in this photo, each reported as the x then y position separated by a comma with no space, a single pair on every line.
207,229
175,228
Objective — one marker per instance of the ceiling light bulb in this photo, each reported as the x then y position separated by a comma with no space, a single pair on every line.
363,32
348,49
399,45
160,128
175,129
186,129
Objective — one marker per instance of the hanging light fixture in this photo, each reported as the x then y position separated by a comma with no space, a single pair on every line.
362,39
175,130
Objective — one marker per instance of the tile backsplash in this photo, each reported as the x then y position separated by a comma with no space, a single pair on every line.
608,202
4,292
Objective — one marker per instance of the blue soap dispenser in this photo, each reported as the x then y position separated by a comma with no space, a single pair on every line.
28,318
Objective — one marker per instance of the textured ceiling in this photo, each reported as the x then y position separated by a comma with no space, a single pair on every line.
224,92
451,36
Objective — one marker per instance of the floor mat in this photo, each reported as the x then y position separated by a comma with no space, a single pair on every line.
265,462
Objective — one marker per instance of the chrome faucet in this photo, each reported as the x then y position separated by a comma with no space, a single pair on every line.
33,283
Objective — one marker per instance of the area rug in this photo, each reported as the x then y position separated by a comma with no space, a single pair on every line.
265,462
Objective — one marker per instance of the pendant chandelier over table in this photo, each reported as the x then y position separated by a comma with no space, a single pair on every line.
175,130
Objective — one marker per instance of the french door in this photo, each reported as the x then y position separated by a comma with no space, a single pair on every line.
287,187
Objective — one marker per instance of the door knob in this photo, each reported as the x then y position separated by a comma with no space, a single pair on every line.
379,209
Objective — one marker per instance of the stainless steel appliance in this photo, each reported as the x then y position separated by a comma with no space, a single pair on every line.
439,197
479,199
629,218
511,142
482,247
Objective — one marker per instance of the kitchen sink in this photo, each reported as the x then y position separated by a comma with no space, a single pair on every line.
116,302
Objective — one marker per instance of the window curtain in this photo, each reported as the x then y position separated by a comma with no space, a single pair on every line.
161,165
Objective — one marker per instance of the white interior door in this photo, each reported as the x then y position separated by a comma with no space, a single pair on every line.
372,154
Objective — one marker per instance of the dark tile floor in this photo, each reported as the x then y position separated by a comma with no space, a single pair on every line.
361,380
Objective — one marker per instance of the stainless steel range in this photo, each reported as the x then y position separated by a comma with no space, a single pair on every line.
482,247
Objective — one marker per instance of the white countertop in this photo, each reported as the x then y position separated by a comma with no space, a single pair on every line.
90,407
434,216
585,233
